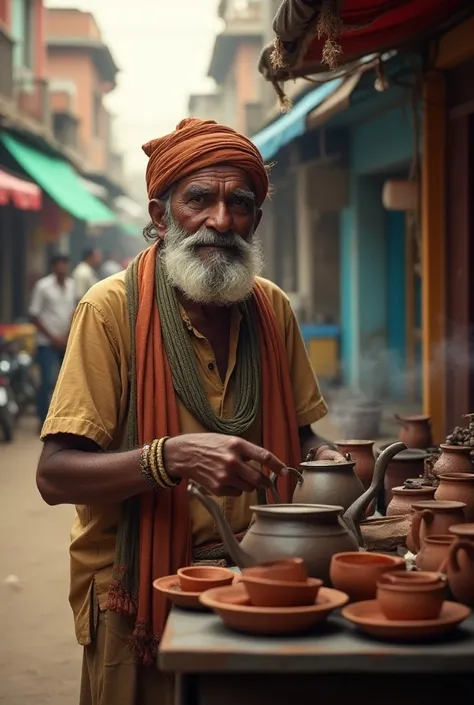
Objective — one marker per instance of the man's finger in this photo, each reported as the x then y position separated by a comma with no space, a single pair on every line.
262,456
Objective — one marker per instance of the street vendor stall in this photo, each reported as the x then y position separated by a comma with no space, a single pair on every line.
214,665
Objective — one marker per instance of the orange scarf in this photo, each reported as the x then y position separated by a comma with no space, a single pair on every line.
164,534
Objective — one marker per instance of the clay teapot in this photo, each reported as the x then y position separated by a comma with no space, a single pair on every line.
313,532
415,431
458,486
362,453
434,552
329,482
432,517
460,564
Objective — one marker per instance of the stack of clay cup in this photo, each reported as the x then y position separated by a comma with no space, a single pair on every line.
411,596
282,583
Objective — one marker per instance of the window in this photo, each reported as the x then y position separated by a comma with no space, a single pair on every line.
97,114
23,33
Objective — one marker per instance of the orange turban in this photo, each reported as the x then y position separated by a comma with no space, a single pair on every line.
196,144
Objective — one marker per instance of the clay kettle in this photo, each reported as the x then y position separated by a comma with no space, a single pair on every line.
313,532
329,482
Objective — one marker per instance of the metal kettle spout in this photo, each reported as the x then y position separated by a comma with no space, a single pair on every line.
354,513
240,557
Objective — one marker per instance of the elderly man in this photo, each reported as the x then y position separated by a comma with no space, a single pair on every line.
189,366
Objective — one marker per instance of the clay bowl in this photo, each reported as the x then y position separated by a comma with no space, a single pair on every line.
232,605
357,574
280,593
287,569
415,599
369,618
171,589
413,578
200,578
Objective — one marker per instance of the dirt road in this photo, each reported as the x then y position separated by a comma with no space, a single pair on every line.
39,658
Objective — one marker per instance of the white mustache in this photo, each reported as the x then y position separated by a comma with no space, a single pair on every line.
206,237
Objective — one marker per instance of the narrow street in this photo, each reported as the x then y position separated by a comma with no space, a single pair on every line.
39,658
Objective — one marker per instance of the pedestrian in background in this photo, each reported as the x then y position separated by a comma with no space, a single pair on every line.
52,306
111,265
85,274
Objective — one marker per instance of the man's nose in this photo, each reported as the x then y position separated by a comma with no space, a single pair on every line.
220,218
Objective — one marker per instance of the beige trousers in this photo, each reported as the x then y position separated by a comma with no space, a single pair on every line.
110,675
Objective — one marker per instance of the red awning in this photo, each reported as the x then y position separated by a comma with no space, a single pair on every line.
313,36
23,194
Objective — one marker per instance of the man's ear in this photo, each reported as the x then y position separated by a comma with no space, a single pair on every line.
157,211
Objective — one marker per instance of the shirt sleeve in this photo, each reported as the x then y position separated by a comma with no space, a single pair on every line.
36,304
86,399
309,403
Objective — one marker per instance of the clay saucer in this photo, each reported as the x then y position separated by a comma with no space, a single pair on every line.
170,587
232,605
369,618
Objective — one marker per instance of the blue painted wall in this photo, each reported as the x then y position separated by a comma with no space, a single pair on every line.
396,302
380,147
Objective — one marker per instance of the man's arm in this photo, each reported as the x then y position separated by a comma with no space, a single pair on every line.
324,449
73,470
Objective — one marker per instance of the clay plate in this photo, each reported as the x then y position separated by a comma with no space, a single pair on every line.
233,607
170,587
369,618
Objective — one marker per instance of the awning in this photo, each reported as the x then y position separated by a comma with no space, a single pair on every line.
23,194
293,124
60,181
310,38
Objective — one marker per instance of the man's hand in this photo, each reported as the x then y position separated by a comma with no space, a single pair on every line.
219,463
327,453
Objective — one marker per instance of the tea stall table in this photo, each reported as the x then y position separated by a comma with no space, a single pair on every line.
336,666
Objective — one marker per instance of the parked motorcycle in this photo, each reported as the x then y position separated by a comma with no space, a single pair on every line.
8,405
22,380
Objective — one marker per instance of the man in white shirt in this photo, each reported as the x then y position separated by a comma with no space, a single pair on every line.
85,274
52,306
111,265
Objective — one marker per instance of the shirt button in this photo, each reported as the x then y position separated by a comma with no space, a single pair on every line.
210,366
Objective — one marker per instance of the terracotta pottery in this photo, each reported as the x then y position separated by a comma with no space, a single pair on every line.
369,618
330,482
232,604
431,517
405,465
313,532
453,459
280,593
460,567
434,552
458,486
200,578
413,577
404,497
362,453
169,587
415,431
357,573
415,599
289,569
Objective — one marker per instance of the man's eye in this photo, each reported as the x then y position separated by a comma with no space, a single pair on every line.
241,203
197,199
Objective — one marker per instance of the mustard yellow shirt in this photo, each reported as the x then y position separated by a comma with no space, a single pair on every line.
91,400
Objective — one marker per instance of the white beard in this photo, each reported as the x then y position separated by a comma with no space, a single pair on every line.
223,277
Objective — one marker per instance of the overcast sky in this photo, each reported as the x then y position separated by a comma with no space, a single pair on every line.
162,48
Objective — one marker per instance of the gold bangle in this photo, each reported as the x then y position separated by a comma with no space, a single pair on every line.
165,478
154,464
